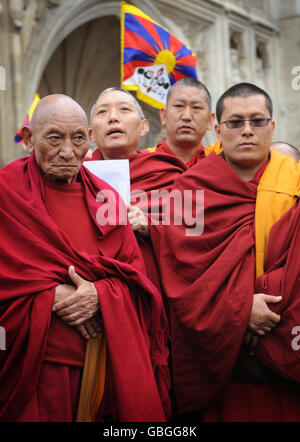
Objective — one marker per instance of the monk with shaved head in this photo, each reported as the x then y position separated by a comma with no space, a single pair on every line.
86,332
58,120
286,149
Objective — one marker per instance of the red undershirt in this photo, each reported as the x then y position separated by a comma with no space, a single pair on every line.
66,205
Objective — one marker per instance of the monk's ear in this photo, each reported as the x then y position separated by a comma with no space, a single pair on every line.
162,114
211,119
217,129
273,126
145,127
91,134
27,137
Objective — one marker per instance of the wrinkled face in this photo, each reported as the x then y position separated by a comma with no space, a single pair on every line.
117,125
60,142
247,146
187,117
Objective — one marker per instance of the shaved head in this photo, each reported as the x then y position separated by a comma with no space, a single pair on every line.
286,149
58,136
56,104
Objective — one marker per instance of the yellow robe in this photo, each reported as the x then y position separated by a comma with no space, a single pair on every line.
93,379
277,192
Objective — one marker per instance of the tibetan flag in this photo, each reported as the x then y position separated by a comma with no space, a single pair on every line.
26,122
152,58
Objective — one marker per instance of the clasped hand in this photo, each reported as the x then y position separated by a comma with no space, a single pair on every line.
262,320
78,305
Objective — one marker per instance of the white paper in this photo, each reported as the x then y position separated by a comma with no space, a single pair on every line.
115,173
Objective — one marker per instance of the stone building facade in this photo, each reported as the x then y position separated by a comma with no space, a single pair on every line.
73,47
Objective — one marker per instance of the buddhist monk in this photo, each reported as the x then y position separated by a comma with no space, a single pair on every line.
117,125
186,118
233,288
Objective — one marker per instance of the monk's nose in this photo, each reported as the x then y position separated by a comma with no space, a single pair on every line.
67,150
186,113
114,115
247,129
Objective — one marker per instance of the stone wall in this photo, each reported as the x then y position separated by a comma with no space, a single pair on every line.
8,150
289,91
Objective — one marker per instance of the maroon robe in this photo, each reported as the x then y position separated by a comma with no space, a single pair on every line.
209,280
163,147
150,173
277,399
34,257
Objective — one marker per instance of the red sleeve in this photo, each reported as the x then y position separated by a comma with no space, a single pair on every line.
278,349
208,278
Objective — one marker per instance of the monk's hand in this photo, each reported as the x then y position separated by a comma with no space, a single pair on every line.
250,339
138,220
62,291
89,329
92,327
81,305
262,320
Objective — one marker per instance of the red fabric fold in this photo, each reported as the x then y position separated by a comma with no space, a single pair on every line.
149,174
276,400
152,173
34,257
62,200
163,147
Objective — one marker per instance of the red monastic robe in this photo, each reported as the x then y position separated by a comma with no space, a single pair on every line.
34,257
276,400
209,280
163,147
150,173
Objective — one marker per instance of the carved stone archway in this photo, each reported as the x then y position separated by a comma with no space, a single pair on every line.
90,30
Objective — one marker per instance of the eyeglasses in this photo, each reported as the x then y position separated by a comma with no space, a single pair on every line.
254,122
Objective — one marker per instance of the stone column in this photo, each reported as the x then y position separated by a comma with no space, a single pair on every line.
8,149
289,91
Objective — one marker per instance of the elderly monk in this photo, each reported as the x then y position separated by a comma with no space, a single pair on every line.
187,117
234,288
117,125
85,328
